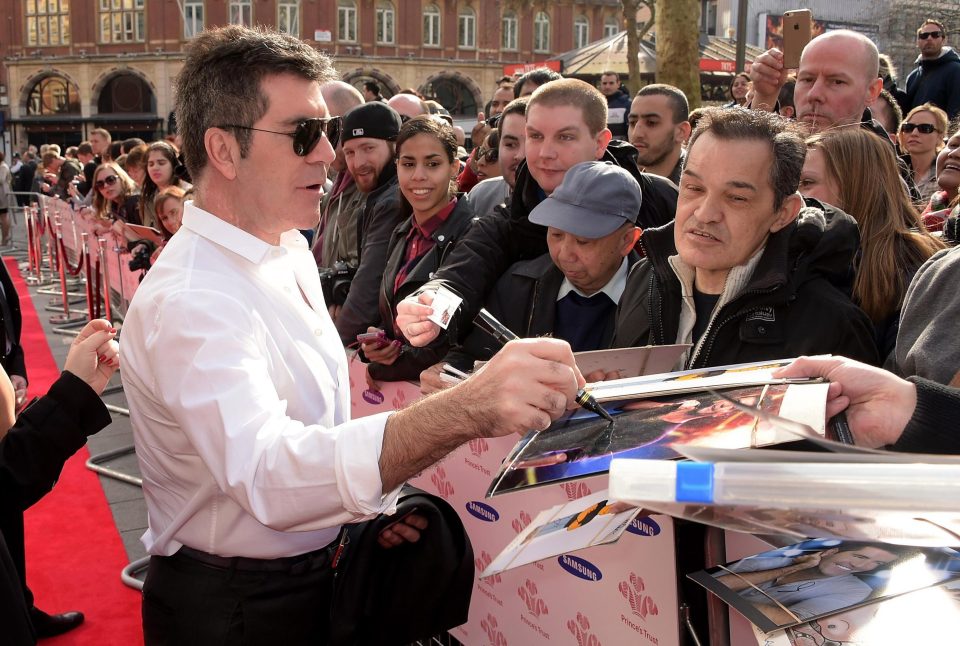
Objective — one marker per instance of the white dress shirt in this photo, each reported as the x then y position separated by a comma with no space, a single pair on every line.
240,400
613,289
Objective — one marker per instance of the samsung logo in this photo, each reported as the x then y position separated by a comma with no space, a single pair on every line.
483,511
643,526
579,567
372,397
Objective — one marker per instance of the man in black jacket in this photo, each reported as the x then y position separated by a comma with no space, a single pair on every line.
571,292
31,458
738,274
566,125
936,79
369,131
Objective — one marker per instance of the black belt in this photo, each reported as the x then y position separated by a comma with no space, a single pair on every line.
298,564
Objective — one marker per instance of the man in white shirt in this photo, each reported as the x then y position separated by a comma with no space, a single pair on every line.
237,382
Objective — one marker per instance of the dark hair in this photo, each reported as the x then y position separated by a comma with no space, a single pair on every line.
931,21
136,157
539,76
517,106
116,149
131,143
784,137
785,98
439,129
372,86
610,73
221,82
150,188
675,96
85,148
891,101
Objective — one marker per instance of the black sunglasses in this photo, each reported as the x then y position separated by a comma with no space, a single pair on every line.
923,35
491,155
307,135
109,180
925,128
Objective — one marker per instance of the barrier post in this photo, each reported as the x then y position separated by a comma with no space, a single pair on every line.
102,277
68,318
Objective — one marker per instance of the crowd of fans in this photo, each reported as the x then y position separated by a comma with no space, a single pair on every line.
808,216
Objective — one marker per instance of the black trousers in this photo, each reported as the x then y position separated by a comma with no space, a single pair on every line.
187,602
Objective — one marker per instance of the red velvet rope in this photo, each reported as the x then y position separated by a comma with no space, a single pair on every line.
66,263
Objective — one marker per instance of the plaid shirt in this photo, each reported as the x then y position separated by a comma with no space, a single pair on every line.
420,241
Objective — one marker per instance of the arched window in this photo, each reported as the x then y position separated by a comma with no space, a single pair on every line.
288,17
386,23
467,28
611,26
431,25
53,95
126,93
509,30
347,21
581,31
541,32
453,94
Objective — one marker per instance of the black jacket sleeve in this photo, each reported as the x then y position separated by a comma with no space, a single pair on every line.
362,307
932,429
45,435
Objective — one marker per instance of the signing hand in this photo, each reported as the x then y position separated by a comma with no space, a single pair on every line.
525,386
94,355
878,403
412,320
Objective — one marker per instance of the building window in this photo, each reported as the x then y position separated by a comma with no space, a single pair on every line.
467,29
581,32
48,22
431,26
53,95
288,17
541,32
708,17
241,12
386,21
121,21
192,18
347,21
611,27
509,29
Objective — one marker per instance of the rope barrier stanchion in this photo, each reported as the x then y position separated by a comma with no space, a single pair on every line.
69,318
102,280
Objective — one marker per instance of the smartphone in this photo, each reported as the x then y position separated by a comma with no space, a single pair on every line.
797,29
378,337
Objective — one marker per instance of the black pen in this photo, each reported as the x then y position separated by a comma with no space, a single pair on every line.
489,324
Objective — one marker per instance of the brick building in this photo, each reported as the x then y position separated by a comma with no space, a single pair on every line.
74,65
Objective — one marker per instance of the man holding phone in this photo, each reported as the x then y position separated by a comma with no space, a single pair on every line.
836,81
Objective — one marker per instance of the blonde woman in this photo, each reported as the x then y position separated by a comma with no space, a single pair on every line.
921,138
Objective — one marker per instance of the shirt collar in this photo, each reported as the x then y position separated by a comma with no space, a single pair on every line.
613,289
222,233
428,228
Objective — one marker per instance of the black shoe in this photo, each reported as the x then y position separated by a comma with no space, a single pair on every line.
52,625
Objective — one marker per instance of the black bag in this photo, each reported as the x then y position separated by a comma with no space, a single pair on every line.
405,593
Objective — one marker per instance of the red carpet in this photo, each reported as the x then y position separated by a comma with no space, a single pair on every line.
74,552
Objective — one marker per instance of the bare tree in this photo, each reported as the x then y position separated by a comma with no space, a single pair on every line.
678,46
635,34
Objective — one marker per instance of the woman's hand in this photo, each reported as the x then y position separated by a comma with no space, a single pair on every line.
94,355
385,352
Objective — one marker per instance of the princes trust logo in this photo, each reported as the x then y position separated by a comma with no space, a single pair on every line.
481,562
439,480
479,446
535,605
489,626
576,490
634,591
519,524
580,628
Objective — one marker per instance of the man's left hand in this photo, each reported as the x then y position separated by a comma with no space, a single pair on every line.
405,530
